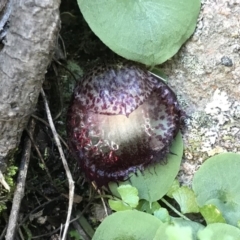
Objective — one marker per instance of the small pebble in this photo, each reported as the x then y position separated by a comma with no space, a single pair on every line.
226,61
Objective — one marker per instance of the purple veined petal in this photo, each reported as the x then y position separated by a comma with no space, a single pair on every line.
121,119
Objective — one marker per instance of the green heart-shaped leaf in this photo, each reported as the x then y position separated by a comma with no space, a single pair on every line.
217,183
149,31
219,231
128,225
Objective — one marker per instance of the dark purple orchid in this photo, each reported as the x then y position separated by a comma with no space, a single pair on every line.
121,119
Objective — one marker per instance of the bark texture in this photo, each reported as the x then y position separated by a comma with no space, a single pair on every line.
28,49
5,11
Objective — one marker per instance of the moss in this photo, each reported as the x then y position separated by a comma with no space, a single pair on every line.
9,176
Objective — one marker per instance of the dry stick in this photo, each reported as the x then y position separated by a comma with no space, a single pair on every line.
174,209
68,173
100,194
3,233
44,122
19,191
40,156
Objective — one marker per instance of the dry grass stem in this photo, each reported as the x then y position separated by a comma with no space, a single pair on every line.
68,173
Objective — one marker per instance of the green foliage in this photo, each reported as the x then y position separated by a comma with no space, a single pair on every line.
186,199
9,178
147,207
174,187
11,172
2,206
217,174
174,232
195,226
75,235
149,31
129,196
163,215
217,183
211,214
128,225
219,231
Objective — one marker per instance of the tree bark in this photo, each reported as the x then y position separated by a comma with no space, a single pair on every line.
28,49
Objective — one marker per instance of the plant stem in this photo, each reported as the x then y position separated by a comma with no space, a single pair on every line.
174,209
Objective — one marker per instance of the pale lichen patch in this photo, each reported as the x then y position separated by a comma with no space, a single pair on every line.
214,130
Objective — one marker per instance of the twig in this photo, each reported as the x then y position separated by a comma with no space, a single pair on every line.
60,100
174,209
20,234
19,191
157,76
40,156
44,122
62,65
103,202
3,182
68,173
63,46
3,233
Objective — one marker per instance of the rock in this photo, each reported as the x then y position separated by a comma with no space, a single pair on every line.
206,75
